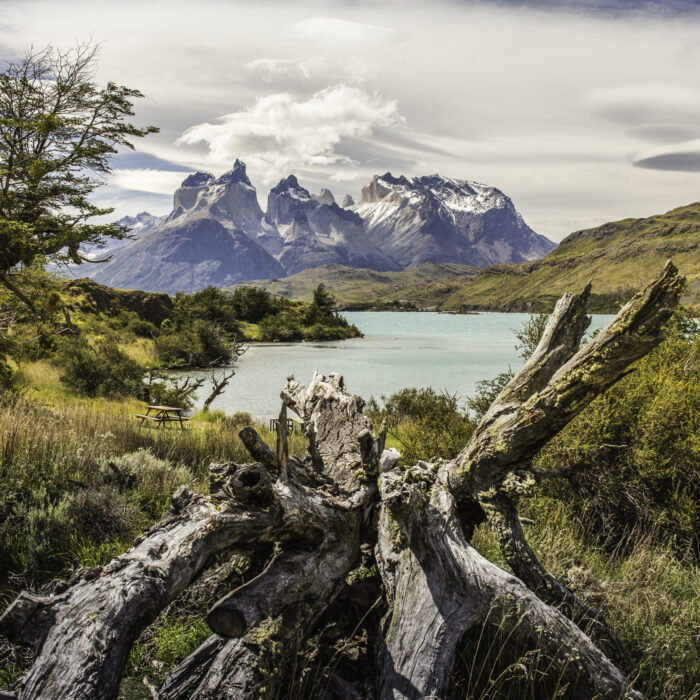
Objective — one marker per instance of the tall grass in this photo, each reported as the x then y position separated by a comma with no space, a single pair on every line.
649,596
61,504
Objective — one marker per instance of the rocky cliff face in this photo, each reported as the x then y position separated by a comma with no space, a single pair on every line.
437,219
316,231
188,257
218,234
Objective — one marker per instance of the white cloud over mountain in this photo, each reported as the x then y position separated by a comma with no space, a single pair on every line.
279,132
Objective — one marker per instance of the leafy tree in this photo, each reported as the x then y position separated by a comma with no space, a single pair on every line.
58,131
323,305
530,333
252,304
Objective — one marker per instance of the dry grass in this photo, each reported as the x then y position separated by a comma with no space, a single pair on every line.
648,595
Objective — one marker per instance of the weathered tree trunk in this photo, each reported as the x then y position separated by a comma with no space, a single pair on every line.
299,584
319,510
82,636
439,587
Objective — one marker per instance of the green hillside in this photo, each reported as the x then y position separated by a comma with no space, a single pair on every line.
424,286
620,257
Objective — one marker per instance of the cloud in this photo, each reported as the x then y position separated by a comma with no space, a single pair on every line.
679,157
608,7
644,104
271,69
163,182
280,133
342,33
666,132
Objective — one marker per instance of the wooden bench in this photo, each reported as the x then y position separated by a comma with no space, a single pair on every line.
162,415
274,422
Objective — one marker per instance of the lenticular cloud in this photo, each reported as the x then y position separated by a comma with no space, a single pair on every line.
281,131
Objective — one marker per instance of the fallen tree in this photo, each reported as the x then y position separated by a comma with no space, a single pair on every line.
319,516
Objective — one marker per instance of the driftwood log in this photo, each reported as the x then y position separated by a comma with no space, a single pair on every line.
317,515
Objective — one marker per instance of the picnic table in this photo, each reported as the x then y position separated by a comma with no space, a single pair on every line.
162,415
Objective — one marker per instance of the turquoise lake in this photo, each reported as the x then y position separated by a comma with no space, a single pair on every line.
423,349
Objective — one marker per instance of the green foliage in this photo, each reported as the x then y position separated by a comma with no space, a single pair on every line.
101,369
323,306
285,326
635,450
424,423
200,343
530,333
252,304
42,534
150,481
58,131
486,392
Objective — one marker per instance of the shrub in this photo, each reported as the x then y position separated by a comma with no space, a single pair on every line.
635,450
101,369
486,393
285,327
425,423
42,534
150,480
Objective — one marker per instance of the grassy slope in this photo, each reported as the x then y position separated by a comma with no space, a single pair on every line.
619,257
427,285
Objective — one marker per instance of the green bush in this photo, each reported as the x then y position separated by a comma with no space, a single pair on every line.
486,393
101,369
635,450
252,304
149,481
285,327
424,423
199,344
42,534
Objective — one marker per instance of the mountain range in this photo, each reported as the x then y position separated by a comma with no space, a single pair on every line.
217,233
619,257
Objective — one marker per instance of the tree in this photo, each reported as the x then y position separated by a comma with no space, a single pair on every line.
322,305
58,131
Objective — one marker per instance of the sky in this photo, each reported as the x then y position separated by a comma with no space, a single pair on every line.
582,112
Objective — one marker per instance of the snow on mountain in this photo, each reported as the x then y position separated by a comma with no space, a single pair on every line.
217,232
316,231
437,219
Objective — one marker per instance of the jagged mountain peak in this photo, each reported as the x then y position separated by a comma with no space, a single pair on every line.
236,174
290,186
432,218
325,196
399,222
198,179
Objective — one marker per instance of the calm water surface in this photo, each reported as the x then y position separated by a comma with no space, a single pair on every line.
422,349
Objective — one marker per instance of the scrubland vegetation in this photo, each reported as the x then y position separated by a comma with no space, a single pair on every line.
80,480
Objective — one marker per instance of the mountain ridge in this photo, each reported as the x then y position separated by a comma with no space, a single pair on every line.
619,257
398,223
